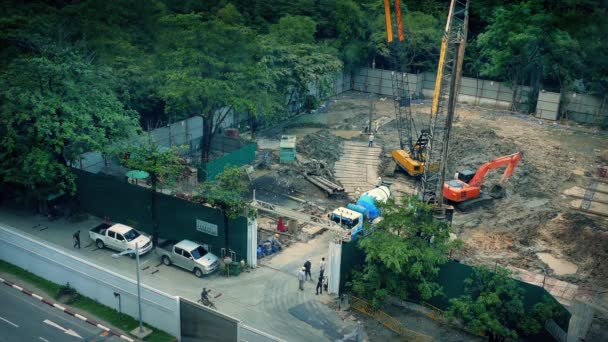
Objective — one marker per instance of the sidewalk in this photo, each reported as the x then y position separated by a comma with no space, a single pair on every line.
264,298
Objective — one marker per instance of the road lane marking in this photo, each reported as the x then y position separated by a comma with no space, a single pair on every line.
44,339
102,327
59,307
9,322
81,317
67,331
18,287
36,296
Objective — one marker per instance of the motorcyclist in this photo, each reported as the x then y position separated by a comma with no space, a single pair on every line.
205,296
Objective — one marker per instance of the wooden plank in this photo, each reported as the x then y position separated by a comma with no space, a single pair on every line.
602,187
579,192
595,208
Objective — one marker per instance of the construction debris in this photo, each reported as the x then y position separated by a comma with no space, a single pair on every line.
325,184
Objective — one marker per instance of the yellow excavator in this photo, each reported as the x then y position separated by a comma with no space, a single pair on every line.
410,156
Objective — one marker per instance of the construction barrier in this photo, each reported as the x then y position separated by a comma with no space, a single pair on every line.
387,320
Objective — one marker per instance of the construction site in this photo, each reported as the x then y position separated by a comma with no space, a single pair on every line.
520,192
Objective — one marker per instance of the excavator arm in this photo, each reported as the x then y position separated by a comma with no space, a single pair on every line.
510,161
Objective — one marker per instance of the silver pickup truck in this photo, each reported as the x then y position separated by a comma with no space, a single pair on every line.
188,255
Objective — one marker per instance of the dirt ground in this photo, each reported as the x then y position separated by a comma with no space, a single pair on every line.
533,221
534,217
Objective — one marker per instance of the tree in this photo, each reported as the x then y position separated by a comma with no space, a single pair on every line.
403,253
226,192
207,68
295,64
55,104
163,166
420,50
493,305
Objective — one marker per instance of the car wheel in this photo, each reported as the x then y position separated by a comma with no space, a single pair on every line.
166,260
198,272
99,244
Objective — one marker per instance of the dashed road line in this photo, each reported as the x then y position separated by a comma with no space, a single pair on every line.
55,305
9,322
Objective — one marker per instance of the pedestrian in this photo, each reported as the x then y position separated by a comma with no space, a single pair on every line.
76,238
307,266
320,284
371,140
301,278
322,266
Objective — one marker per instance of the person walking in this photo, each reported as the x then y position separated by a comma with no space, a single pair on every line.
76,238
301,278
322,267
320,285
307,266
371,140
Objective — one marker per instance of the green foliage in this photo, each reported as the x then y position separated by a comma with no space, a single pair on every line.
226,192
493,305
403,253
55,105
163,165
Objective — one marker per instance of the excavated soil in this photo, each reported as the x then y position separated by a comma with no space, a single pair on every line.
534,216
322,145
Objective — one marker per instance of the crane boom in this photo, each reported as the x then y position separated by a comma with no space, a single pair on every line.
510,161
444,102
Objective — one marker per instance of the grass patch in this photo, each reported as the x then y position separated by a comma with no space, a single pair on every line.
105,313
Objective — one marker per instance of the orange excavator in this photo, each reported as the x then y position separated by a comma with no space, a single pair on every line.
465,191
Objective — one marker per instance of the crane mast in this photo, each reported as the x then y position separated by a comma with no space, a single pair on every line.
444,103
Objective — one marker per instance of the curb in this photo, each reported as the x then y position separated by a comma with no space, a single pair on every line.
57,306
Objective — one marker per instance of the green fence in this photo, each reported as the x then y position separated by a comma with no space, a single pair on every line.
240,157
451,278
107,196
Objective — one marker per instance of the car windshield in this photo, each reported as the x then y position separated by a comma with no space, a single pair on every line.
346,223
131,235
198,253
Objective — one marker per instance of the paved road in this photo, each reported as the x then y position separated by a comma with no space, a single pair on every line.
23,318
265,298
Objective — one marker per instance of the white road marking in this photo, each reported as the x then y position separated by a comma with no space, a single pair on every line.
1,280
81,317
102,327
126,338
59,307
67,331
143,263
44,339
9,322
18,287
36,296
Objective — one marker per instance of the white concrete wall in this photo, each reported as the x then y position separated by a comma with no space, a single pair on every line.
158,309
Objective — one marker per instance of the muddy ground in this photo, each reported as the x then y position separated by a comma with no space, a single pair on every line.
534,217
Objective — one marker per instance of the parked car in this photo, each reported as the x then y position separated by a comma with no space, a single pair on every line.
120,237
189,255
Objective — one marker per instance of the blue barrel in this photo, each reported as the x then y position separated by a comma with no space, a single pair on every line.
369,203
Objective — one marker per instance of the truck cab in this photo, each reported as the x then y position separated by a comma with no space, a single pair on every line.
350,220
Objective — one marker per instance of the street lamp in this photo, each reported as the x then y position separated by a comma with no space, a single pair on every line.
130,251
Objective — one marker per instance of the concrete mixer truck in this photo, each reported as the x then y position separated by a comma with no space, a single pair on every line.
355,214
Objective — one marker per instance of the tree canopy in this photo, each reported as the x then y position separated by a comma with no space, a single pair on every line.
494,305
155,61
403,253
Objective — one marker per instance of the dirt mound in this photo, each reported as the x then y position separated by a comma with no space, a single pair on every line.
582,240
471,147
322,146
